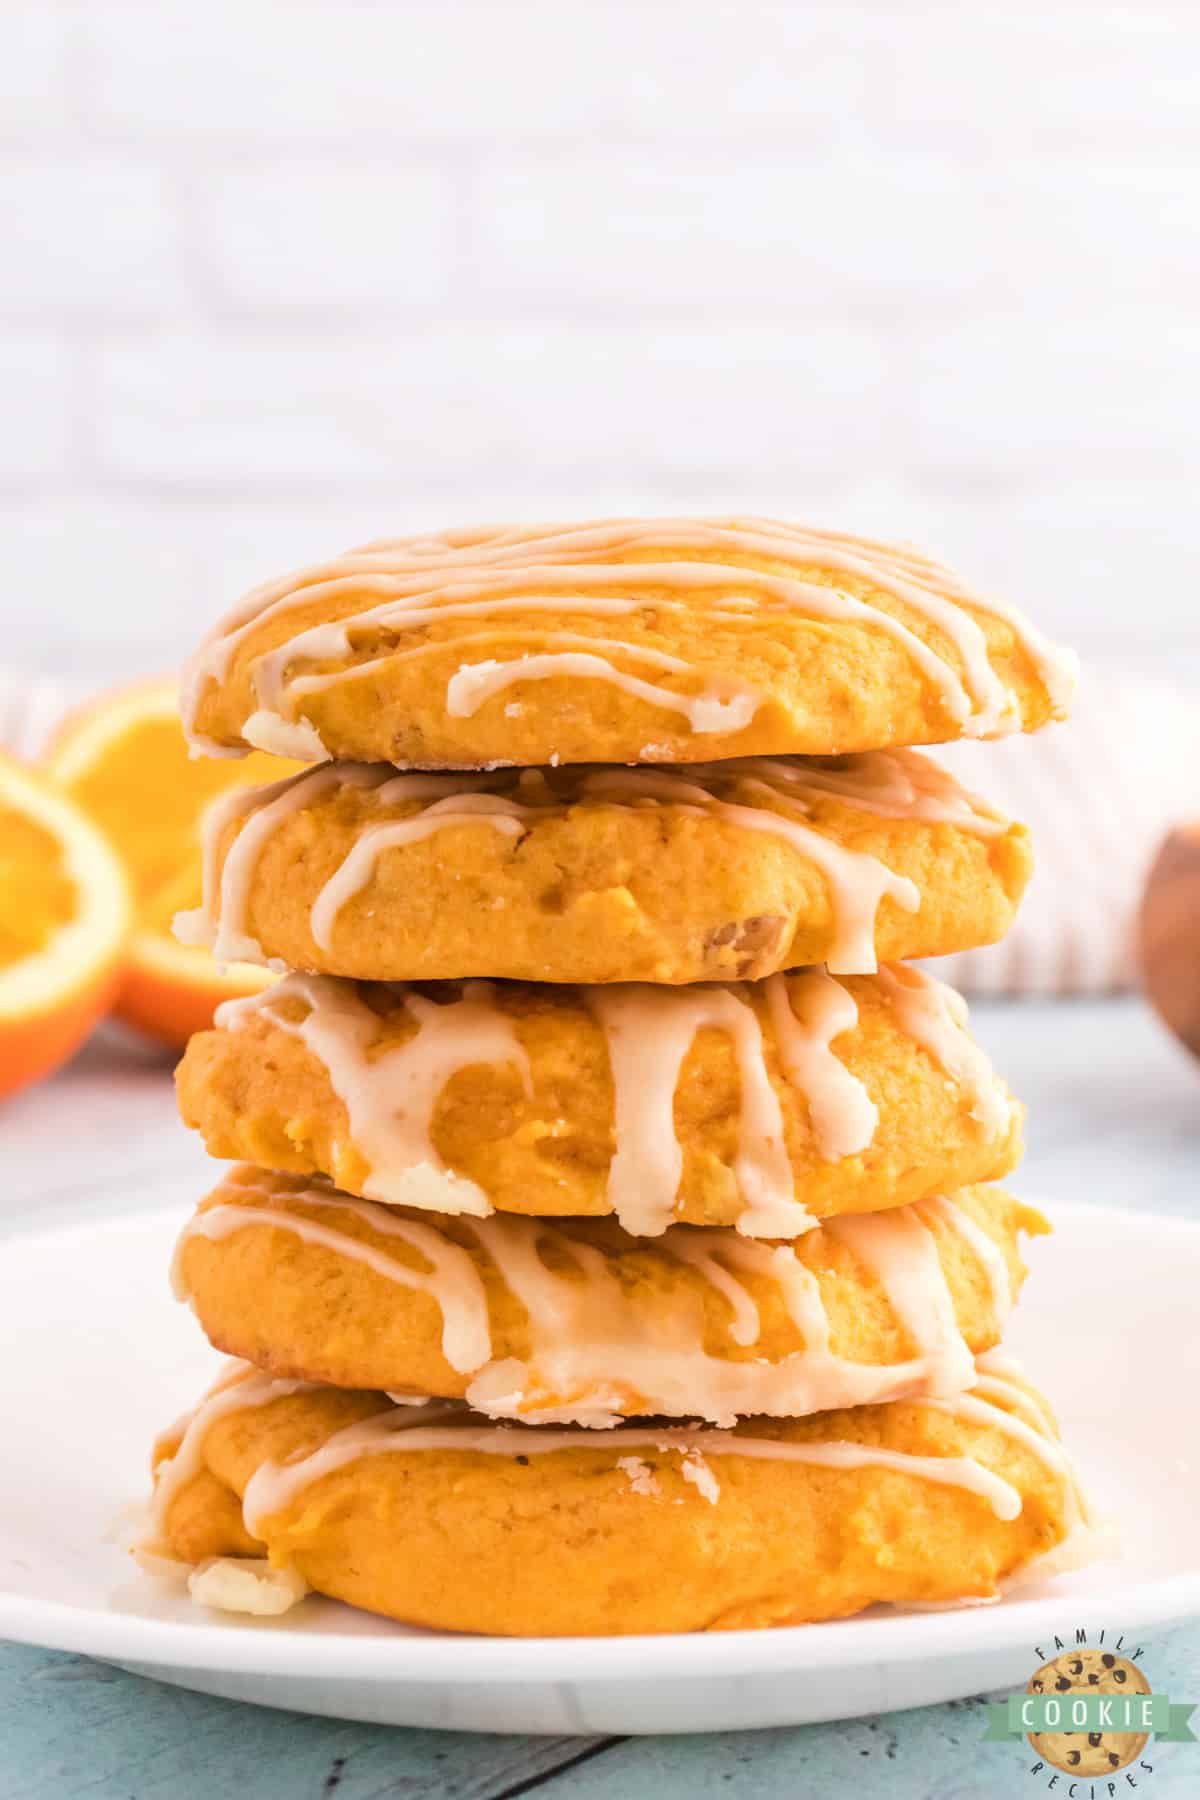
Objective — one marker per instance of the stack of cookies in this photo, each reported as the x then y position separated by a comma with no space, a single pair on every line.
611,1248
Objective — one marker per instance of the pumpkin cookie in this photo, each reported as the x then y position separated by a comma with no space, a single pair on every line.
765,1106
651,640
438,1517
576,1321
717,871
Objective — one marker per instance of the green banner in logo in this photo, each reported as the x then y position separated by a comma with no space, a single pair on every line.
1081,1711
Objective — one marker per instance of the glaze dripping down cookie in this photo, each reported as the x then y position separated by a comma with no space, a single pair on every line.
628,640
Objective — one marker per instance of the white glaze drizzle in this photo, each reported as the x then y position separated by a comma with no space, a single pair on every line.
982,1412
649,1032
1001,1362
255,1390
549,589
589,1336
699,1250
935,1017
894,784
421,581
982,1246
1026,1418
807,1012
390,1098
400,1430
359,865
477,683
333,641
858,881
452,1280
1030,1405
761,794
220,923
901,1252
374,568
599,1352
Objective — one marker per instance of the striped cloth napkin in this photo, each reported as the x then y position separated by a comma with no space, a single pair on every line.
1098,794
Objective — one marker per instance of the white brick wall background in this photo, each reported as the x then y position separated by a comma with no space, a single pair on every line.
281,276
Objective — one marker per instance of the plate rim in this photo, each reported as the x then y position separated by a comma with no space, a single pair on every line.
460,1660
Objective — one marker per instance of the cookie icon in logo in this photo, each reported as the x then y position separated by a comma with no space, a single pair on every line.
1088,1672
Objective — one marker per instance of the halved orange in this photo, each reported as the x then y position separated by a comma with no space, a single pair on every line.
123,757
64,915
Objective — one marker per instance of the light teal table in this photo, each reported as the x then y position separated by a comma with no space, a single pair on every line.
1115,1116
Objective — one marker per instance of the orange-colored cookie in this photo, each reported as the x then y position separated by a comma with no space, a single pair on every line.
577,1321
733,869
764,1106
437,1517
651,640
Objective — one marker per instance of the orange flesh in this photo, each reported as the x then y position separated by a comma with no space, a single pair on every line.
37,896
150,797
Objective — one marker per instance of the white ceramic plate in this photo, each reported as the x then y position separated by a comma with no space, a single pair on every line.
97,1358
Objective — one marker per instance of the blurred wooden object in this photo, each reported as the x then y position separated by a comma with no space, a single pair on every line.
1169,934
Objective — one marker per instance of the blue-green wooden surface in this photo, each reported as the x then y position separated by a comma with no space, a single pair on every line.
1115,1117
70,1727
